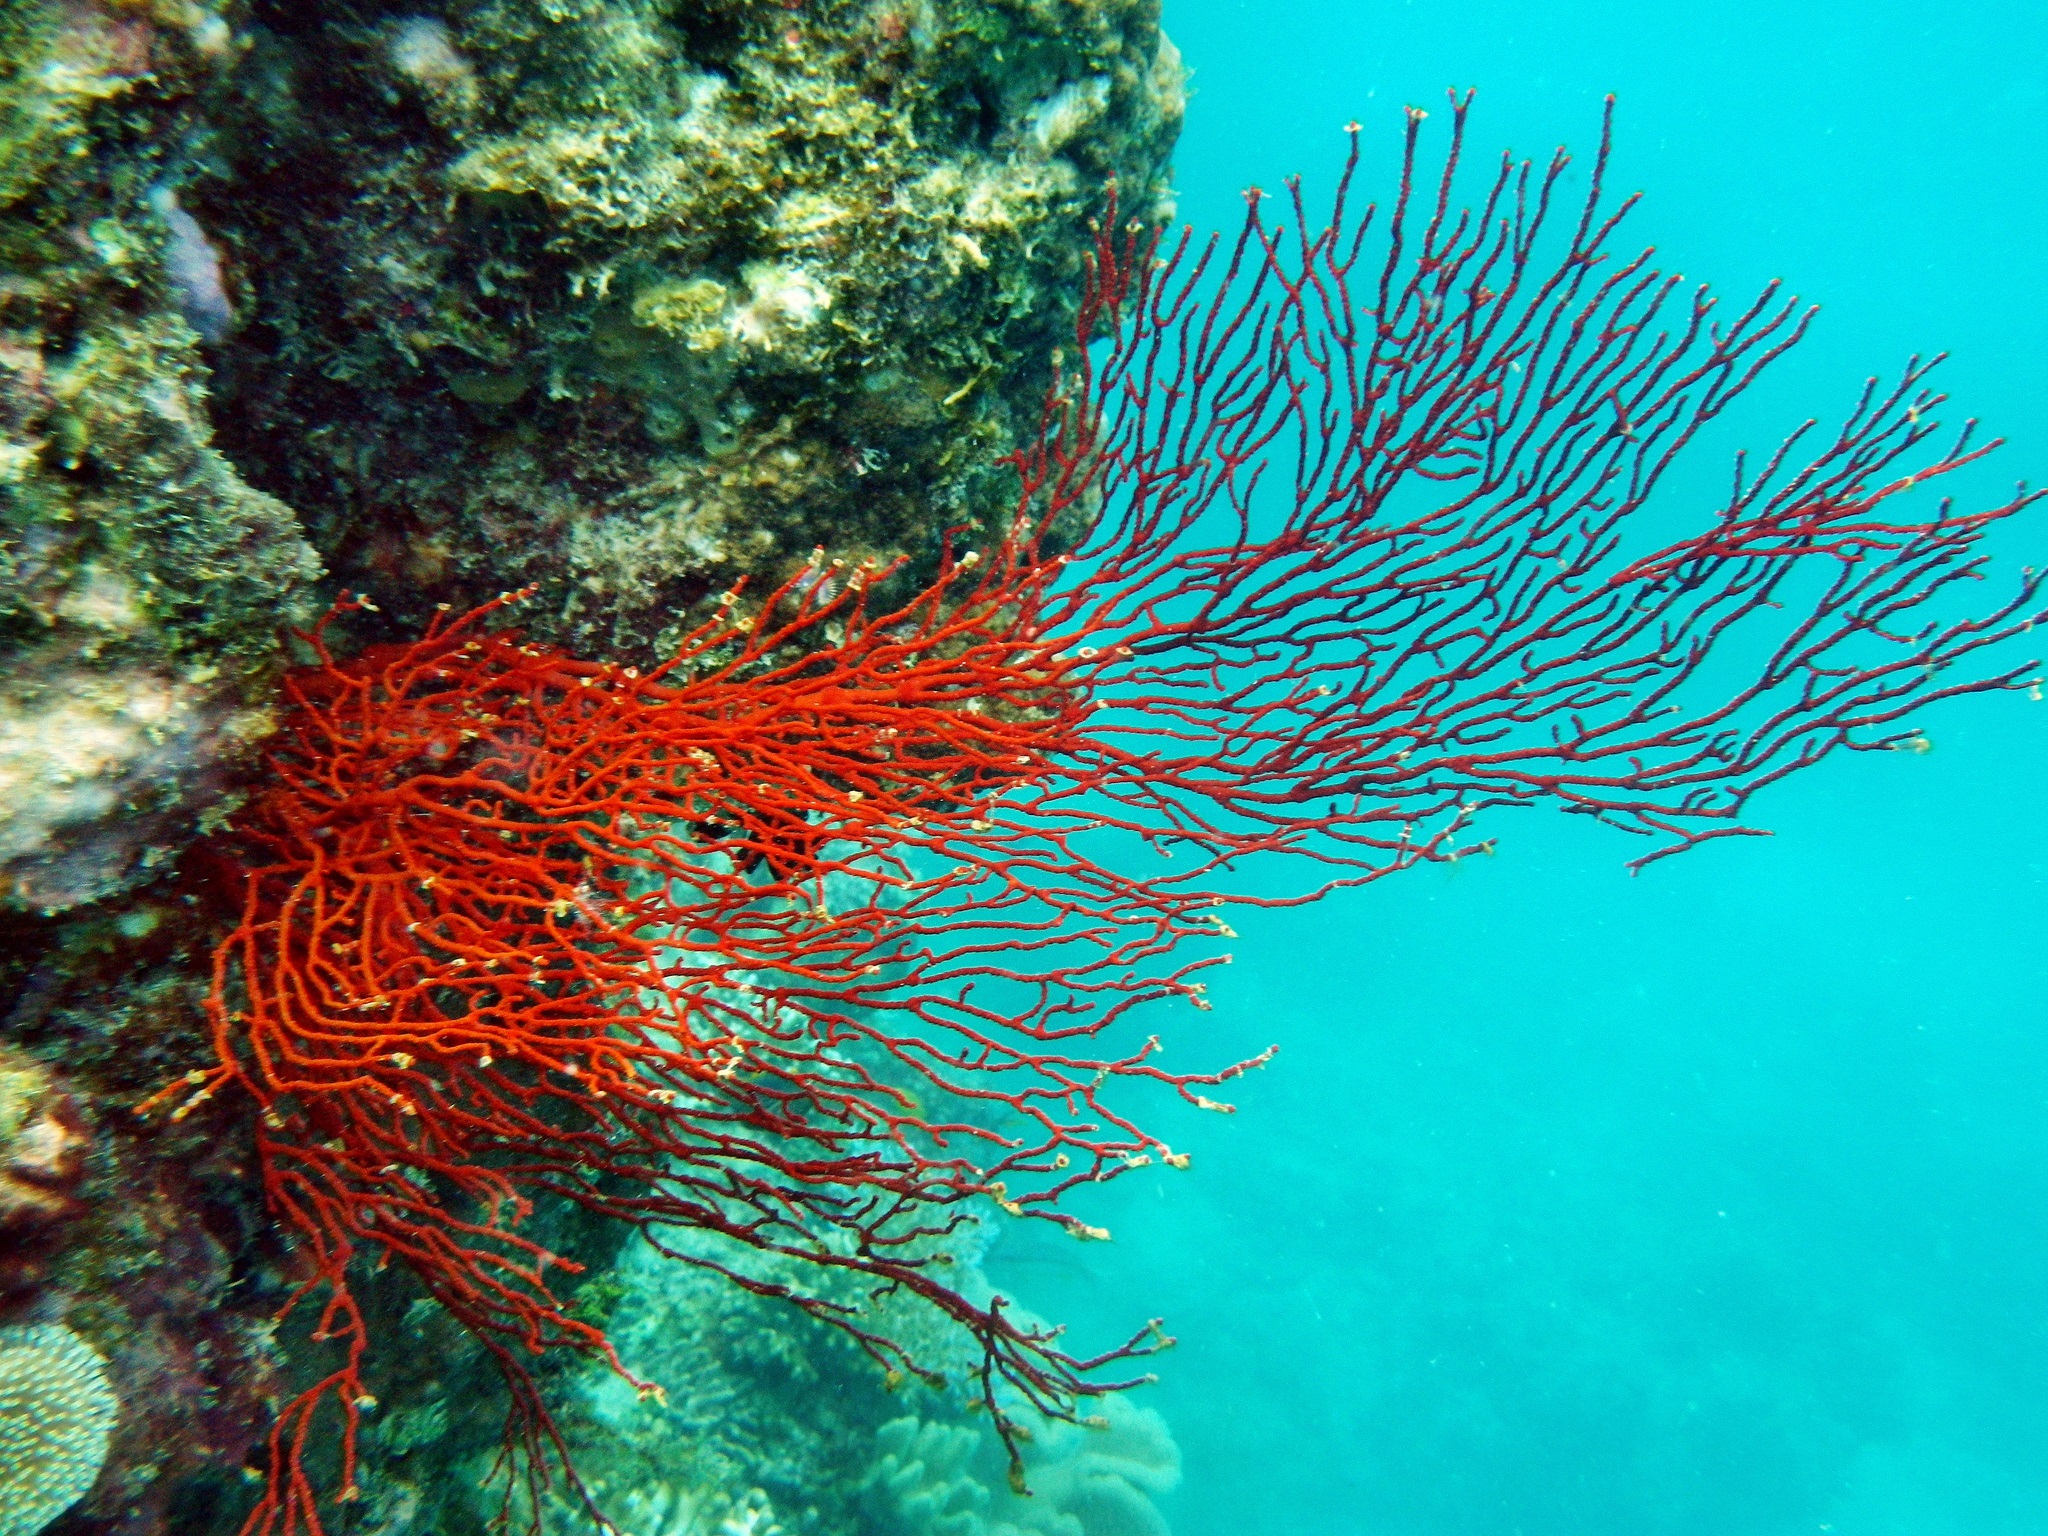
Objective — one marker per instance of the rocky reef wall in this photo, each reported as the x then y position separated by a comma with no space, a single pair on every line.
143,581
632,297
623,298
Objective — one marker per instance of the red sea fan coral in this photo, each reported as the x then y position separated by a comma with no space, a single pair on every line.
824,929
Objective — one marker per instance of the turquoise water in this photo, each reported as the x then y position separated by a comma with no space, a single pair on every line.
1713,1201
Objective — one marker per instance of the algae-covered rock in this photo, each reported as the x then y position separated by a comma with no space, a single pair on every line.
149,1241
629,297
624,297
43,1141
143,583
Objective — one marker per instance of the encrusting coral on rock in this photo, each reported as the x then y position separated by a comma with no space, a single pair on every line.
143,582
43,1139
631,298
934,1478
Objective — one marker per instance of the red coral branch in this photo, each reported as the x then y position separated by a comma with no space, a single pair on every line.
1447,609
820,931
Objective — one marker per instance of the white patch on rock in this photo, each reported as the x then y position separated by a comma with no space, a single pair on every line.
105,601
1067,112
780,300
421,50
192,263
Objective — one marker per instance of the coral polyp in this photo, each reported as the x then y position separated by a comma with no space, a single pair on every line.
824,929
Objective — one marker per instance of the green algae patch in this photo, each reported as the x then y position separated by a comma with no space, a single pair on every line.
487,388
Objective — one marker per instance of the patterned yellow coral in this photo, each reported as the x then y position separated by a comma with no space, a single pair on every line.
56,1413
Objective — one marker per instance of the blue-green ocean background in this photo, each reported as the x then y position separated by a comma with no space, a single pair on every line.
1713,1201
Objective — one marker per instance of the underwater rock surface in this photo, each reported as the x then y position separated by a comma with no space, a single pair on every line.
630,298
627,299
143,582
